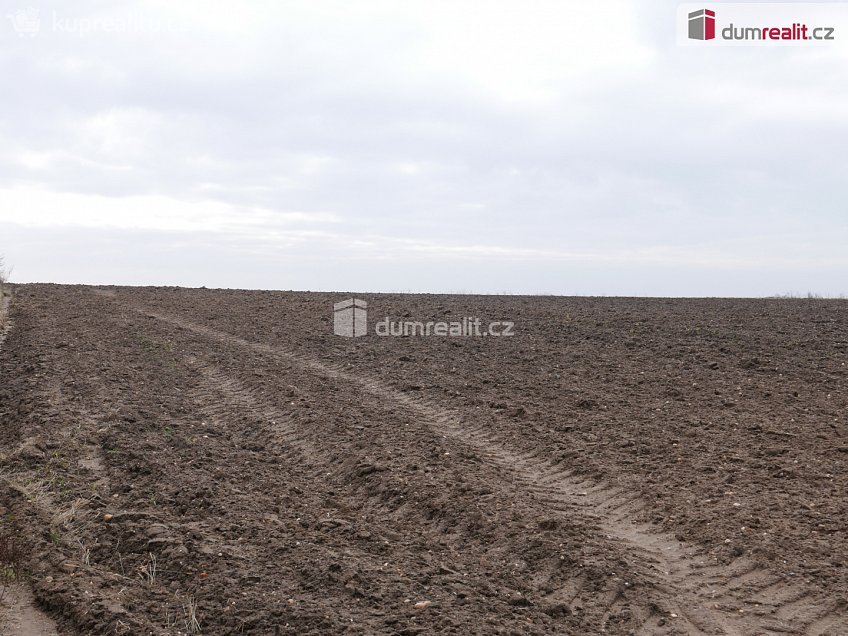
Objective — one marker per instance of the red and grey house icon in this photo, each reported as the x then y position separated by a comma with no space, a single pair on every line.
702,25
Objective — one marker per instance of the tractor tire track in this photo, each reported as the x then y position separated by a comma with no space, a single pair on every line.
697,597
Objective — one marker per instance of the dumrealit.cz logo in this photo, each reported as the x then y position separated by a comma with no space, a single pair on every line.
350,320
702,25
761,24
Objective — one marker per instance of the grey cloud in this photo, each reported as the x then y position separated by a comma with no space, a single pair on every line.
702,152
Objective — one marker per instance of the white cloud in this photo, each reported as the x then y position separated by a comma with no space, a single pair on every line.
36,208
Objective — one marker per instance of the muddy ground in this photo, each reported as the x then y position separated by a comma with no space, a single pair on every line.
218,462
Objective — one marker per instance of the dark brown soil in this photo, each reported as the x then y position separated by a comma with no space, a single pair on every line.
619,466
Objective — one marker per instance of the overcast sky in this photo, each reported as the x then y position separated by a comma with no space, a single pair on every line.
527,147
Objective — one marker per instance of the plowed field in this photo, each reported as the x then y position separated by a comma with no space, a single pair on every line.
618,466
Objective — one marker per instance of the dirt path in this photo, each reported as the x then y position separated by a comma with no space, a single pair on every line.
19,616
18,613
5,325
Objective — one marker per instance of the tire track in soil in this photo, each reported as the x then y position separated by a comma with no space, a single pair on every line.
740,599
220,393
105,406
